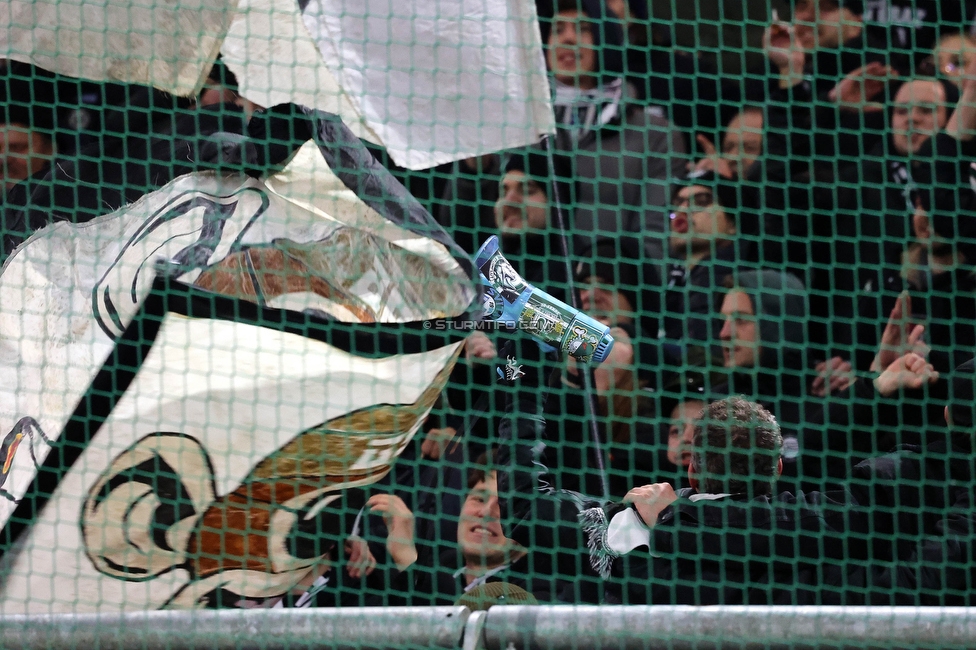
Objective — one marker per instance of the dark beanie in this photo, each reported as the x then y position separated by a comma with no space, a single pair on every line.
489,594
615,262
608,36
725,191
532,162
962,396
638,9
780,302
679,387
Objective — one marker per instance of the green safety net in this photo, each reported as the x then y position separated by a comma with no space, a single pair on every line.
252,357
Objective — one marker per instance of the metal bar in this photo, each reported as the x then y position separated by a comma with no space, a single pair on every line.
587,371
268,629
624,628
522,627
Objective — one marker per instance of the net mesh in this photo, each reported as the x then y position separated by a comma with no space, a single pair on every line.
253,358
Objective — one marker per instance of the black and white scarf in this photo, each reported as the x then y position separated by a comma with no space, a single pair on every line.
580,112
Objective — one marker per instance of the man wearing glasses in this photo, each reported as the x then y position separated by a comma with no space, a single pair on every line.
702,253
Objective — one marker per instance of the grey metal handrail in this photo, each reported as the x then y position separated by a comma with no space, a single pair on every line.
268,629
500,628
674,627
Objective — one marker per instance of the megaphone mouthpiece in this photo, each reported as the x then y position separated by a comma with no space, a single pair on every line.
508,297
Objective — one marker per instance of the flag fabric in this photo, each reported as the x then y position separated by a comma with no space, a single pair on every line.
438,81
432,82
226,403
276,61
169,45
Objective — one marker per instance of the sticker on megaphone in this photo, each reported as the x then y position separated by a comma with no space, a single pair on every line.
509,298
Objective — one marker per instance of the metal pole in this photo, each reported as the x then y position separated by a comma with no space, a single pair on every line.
586,372
268,629
675,627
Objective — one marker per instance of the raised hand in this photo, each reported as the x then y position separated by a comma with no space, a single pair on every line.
910,371
712,160
399,522
435,442
361,561
785,51
615,370
899,336
833,376
962,123
856,91
651,500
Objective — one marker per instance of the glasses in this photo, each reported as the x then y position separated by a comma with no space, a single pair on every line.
698,200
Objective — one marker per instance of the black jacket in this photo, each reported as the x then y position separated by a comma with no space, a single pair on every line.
911,28
805,130
873,208
690,297
902,533
736,551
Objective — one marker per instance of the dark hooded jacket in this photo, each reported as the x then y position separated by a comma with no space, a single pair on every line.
692,296
873,225
779,303
911,28
545,526
805,130
468,214
901,533
693,93
624,418
623,162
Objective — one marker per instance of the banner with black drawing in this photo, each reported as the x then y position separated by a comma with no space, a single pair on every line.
347,246
219,455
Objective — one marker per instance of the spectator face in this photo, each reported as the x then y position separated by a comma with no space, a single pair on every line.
572,57
480,535
606,305
681,435
820,26
952,55
522,206
23,152
919,114
740,334
697,221
743,141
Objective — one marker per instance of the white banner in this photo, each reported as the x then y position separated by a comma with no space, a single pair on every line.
438,81
169,45
430,81
220,476
230,397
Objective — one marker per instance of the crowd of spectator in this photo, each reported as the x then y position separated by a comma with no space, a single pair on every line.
787,262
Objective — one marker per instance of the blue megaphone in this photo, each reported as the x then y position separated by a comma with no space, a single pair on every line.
510,299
